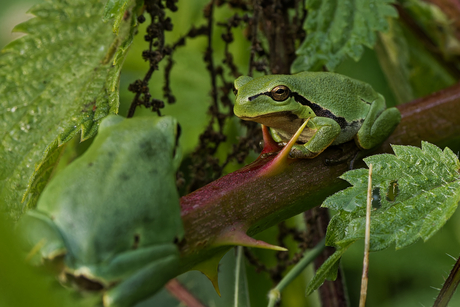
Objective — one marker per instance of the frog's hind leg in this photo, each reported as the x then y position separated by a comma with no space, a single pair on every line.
378,125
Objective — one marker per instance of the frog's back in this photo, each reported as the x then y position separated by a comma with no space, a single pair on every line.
336,93
118,205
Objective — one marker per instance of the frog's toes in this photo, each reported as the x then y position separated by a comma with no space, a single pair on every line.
373,134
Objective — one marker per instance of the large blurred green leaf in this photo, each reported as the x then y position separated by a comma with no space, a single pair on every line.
339,28
60,79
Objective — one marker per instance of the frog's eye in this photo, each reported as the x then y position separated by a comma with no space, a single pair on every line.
280,93
235,91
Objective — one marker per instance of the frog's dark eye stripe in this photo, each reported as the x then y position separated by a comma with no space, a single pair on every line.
255,96
235,91
319,111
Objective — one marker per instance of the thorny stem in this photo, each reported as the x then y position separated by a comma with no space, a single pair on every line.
241,196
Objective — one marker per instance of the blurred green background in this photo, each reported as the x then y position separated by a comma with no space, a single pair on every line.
408,277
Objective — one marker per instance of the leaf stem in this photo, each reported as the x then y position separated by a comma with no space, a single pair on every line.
275,294
239,253
367,236
449,286
182,294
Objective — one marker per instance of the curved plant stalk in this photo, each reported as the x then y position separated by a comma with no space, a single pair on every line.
364,279
182,294
238,267
449,287
309,257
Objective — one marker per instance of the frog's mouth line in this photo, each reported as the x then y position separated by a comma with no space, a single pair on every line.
84,283
286,114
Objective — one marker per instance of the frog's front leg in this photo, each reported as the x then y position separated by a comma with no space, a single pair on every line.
327,131
378,125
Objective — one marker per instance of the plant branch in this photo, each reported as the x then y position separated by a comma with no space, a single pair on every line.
308,258
367,240
449,286
332,293
245,200
182,294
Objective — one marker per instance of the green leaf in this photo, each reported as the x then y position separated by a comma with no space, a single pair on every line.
418,190
328,270
115,9
339,28
411,70
439,27
59,80
394,56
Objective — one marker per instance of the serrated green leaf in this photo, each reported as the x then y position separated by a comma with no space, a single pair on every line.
426,192
328,270
339,28
55,82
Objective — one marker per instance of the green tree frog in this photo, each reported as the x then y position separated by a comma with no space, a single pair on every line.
339,109
112,216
